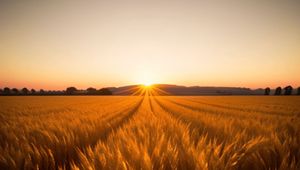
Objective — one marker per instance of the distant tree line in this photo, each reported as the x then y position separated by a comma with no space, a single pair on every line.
288,90
69,91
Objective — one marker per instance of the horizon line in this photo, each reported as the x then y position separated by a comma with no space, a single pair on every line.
155,84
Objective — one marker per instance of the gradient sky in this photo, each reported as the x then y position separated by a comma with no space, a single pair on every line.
56,44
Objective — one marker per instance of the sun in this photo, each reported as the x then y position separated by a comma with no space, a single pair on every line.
147,83
146,78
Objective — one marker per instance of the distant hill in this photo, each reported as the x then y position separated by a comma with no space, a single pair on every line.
169,89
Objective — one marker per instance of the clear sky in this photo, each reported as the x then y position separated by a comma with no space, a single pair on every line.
56,44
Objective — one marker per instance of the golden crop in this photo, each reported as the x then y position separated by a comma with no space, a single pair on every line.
150,132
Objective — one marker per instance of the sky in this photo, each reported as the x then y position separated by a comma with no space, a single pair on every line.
56,44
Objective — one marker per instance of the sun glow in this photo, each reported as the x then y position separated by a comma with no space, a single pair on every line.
146,78
147,84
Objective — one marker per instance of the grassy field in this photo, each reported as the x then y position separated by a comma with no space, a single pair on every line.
150,132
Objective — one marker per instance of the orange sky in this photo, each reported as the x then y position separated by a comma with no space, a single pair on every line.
56,44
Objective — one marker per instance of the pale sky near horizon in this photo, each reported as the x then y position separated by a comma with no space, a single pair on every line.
56,44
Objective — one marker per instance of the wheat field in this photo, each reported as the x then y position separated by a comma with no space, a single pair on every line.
150,132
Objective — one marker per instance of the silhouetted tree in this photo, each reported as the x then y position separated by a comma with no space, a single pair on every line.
42,91
91,91
25,91
1,91
6,91
267,91
105,91
15,91
298,91
288,90
277,91
32,91
71,90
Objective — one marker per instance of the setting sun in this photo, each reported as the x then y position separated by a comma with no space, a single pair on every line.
147,77
147,84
